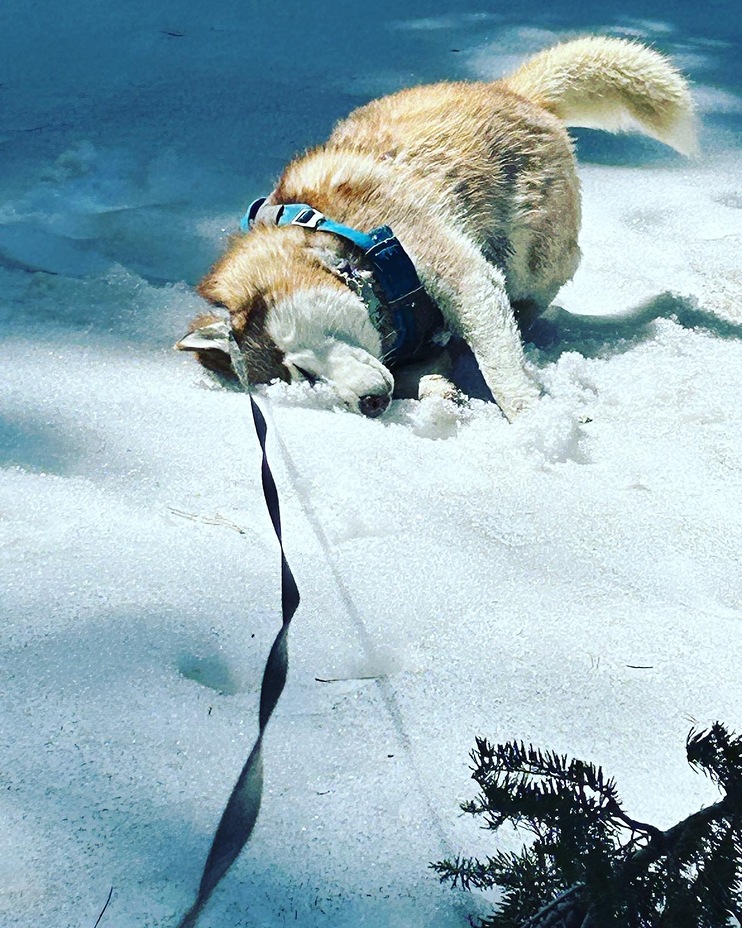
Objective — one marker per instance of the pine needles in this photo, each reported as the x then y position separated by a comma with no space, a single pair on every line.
587,863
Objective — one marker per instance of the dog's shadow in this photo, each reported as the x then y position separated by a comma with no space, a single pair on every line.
558,331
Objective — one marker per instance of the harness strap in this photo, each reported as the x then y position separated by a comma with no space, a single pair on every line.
394,269
413,316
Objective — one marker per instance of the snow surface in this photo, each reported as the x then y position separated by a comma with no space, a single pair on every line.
571,580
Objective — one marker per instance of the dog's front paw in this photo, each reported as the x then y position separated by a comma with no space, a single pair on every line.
513,404
436,385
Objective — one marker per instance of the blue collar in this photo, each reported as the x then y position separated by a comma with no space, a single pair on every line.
414,318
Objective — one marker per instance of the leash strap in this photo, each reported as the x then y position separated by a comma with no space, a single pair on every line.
241,811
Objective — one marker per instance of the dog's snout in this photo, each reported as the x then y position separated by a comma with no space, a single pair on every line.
374,404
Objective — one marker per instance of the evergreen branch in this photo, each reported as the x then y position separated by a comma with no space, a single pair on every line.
654,833
525,763
719,755
665,842
569,908
564,910
577,872
469,872
530,763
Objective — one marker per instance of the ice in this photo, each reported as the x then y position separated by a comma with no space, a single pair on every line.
572,579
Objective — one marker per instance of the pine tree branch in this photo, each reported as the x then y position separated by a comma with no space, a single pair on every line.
664,842
567,910
656,834
687,875
661,844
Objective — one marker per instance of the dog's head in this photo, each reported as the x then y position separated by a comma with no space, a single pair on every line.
293,318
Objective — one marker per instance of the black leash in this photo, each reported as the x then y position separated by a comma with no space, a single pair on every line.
242,808
241,811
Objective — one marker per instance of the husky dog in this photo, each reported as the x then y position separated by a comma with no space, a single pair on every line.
477,182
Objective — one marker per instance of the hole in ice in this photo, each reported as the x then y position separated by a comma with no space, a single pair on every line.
212,672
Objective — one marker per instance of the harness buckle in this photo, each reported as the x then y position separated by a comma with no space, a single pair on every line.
308,218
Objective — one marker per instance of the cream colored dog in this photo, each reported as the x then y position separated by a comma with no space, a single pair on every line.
478,182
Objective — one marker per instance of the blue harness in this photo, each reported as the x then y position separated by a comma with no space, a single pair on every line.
413,317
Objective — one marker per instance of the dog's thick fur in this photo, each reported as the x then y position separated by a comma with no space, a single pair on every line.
478,182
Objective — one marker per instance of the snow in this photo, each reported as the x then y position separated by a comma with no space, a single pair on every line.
571,580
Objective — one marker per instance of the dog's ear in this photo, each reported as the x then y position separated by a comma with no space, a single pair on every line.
210,288
206,333
208,336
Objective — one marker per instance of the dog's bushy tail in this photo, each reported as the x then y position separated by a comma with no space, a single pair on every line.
611,84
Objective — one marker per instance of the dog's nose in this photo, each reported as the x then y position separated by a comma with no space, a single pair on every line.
373,405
